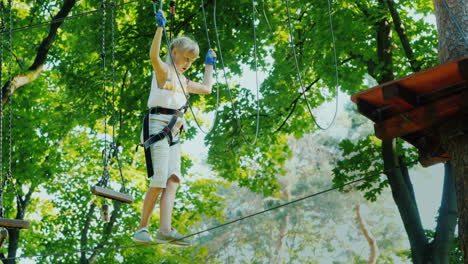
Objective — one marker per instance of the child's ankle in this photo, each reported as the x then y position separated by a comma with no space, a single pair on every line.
165,231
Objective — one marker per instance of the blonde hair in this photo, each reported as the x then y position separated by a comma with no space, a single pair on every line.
181,43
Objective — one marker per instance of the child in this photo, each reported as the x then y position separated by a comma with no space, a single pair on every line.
162,127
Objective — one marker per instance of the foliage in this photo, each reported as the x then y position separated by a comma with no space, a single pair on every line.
59,118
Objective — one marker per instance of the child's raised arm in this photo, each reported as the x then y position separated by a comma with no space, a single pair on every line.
205,87
159,66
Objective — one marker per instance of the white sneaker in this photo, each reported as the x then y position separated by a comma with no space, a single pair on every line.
142,236
173,238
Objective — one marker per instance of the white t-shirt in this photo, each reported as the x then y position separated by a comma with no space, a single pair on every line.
168,96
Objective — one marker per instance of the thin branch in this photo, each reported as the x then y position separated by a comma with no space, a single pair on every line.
293,105
415,65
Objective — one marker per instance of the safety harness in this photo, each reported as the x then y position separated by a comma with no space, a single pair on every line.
166,132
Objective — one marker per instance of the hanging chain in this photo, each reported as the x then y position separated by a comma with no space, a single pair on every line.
112,3
2,183
105,176
115,150
9,174
10,78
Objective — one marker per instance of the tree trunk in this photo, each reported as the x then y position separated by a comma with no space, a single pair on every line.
452,20
454,137
374,250
404,199
447,219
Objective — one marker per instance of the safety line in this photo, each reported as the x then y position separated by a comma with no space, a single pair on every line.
299,72
19,29
224,224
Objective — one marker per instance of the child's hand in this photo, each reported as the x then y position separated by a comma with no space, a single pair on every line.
160,19
210,57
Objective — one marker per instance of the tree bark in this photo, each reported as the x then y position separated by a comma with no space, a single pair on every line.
452,20
451,42
374,250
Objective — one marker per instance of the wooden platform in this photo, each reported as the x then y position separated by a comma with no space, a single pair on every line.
110,194
14,223
412,107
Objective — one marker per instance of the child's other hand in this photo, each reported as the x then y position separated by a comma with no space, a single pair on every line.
160,19
210,57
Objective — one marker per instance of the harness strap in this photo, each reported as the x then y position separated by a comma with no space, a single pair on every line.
166,132
149,163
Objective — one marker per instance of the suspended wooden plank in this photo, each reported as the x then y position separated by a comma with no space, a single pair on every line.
111,194
14,223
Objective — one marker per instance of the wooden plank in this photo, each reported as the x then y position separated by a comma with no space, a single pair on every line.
373,113
367,110
14,223
396,91
463,68
445,75
421,117
110,194
429,160
430,149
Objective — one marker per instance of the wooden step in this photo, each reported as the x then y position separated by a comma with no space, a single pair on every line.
14,223
113,195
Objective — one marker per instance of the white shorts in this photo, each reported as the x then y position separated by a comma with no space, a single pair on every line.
166,159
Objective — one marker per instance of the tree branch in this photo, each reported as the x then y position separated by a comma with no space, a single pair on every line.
293,105
41,55
447,219
84,234
374,251
107,230
408,209
415,65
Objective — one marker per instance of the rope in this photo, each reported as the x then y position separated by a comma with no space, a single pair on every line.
186,94
299,72
234,108
66,18
256,71
214,69
224,224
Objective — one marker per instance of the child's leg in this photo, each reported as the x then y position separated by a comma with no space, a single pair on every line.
167,203
148,205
